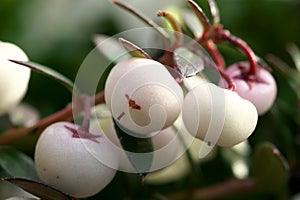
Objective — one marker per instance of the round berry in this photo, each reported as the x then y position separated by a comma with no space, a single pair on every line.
142,96
78,166
14,78
218,116
260,89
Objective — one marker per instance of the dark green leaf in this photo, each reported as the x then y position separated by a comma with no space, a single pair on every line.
270,169
51,73
140,150
16,164
38,189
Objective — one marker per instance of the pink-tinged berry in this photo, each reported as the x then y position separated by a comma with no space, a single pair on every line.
260,89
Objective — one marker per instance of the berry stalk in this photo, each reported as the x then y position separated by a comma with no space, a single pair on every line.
225,35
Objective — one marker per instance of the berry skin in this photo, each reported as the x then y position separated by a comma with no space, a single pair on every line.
74,165
210,112
142,96
14,78
261,90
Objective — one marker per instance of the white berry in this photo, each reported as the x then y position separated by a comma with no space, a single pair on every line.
14,78
142,96
80,167
218,116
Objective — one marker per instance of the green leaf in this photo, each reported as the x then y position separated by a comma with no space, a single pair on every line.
139,150
39,189
14,163
134,50
51,73
270,169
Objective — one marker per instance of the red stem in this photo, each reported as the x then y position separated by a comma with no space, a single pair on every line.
222,35
230,81
66,114
209,63
215,54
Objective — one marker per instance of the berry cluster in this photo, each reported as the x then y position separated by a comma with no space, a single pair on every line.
145,97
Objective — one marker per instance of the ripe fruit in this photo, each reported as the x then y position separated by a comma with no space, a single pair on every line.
142,96
77,166
14,78
260,90
218,116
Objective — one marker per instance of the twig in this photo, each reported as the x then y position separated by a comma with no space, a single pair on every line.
211,47
224,35
66,114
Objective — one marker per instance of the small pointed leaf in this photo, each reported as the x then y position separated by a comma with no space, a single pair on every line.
49,72
270,169
187,62
39,189
134,50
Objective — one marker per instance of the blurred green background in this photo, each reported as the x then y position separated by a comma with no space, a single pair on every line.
57,33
